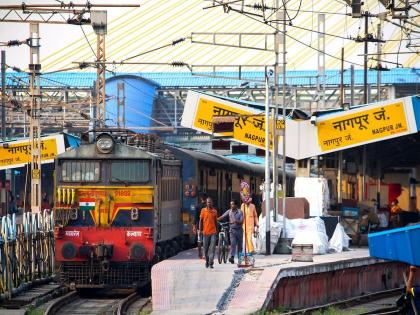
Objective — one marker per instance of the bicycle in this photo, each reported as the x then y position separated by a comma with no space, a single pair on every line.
223,244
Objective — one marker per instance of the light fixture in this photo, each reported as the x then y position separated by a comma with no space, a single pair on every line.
105,143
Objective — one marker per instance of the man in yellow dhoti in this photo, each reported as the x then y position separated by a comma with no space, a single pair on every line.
250,223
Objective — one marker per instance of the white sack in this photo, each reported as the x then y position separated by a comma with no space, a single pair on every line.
275,232
316,191
340,240
312,231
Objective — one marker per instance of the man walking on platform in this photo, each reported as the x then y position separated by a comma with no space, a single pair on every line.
236,218
208,226
250,223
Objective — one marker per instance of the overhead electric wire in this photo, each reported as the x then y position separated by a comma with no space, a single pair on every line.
147,116
263,8
295,39
40,75
126,82
175,42
48,79
64,70
284,5
323,33
313,31
221,5
320,12
91,48
55,81
345,26
258,6
27,76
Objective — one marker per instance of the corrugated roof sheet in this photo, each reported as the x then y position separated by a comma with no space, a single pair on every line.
247,158
188,80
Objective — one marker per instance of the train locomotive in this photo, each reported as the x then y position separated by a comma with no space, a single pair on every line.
117,211
124,202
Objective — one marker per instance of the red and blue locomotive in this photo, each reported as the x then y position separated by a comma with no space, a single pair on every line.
117,211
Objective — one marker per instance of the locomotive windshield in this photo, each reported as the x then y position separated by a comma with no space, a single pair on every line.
77,171
130,171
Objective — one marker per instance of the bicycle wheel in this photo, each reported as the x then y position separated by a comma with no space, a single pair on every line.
225,252
219,252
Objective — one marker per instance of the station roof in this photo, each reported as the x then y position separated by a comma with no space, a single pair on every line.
86,80
219,160
158,23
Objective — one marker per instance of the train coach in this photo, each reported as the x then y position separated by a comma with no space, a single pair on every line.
219,177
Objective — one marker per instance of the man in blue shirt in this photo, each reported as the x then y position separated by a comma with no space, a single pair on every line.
236,218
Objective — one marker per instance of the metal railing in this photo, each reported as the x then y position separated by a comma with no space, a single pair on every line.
26,252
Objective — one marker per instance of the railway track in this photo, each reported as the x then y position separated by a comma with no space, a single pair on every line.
373,303
98,303
33,295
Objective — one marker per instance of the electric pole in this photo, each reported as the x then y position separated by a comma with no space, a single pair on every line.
3,94
121,105
275,116
99,24
34,113
37,15
321,61
379,65
365,60
284,186
267,168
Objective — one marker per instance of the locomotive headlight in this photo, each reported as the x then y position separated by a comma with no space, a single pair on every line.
137,252
68,250
105,143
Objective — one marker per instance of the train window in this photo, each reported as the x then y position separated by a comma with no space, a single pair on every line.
170,183
130,171
80,171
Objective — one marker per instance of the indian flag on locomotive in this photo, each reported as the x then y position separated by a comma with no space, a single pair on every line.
87,204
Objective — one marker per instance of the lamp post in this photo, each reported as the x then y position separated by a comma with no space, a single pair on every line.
267,166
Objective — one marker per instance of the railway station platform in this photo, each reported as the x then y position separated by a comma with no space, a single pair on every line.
182,284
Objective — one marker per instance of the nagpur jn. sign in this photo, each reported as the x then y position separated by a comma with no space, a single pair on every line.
249,125
349,130
18,153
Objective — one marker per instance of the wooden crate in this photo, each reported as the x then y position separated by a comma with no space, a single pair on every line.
351,225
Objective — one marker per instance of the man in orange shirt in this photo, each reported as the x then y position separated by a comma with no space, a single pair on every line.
208,226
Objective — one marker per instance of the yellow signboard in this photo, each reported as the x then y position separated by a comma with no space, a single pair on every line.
251,130
249,127
19,153
363,126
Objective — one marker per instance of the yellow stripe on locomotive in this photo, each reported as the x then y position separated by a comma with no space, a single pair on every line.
103,203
